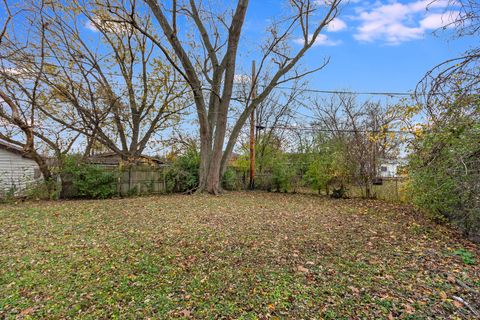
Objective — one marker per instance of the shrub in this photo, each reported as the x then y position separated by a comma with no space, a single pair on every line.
89,181
183,175
329,167
283,173
230,179
7,196
444,170
41,191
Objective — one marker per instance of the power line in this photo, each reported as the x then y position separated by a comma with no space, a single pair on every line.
113,74
334,130
372,93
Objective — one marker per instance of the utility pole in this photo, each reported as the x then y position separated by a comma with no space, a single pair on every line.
252,129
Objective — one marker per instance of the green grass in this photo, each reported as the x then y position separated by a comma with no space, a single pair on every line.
238,256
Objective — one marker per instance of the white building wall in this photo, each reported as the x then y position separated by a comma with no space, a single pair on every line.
388,170
16,172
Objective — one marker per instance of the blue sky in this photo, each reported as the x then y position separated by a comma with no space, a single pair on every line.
373,45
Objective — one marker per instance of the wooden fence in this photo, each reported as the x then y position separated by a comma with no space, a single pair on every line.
132,180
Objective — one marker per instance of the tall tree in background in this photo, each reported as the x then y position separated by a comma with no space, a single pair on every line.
364,129
114,86
22,98
207,60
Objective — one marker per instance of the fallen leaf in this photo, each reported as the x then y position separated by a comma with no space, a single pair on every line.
409,309
443,295
27,311
302,269
185,313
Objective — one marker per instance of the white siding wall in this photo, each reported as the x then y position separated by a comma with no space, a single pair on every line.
390,172
16,171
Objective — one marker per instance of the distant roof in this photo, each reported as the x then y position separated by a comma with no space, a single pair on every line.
400,161
112,158
13,149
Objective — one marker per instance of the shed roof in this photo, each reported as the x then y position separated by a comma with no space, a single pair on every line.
111,158
13,149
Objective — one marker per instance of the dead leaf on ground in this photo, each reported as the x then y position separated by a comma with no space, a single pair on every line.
302,269
185,313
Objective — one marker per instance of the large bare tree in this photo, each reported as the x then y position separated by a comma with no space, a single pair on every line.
22,98
457,78
203,45
113,86
368,130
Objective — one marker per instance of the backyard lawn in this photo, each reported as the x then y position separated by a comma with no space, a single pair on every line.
240,255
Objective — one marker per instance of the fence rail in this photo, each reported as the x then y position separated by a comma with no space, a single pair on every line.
133,180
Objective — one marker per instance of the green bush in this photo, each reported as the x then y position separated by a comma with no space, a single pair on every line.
183,175
231,180
283,173
89,181
41,191
7,196
444,170
329,167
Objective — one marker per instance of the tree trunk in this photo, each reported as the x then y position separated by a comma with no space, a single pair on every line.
42,165
45,170
368,193
210,181
210,176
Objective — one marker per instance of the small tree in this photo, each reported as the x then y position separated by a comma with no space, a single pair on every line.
283,172
364,129
330,166
182,176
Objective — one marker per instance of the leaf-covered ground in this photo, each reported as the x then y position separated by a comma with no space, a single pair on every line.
240,256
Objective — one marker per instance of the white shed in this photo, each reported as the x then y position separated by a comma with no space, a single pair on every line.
17,171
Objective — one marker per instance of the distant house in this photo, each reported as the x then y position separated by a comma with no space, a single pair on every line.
17,171
390,168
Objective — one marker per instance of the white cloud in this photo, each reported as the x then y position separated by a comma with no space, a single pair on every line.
90,26
241,79
13,71
397,22
322,40
336,24
439,20
108,26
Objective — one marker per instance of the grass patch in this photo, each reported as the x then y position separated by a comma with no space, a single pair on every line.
241,255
